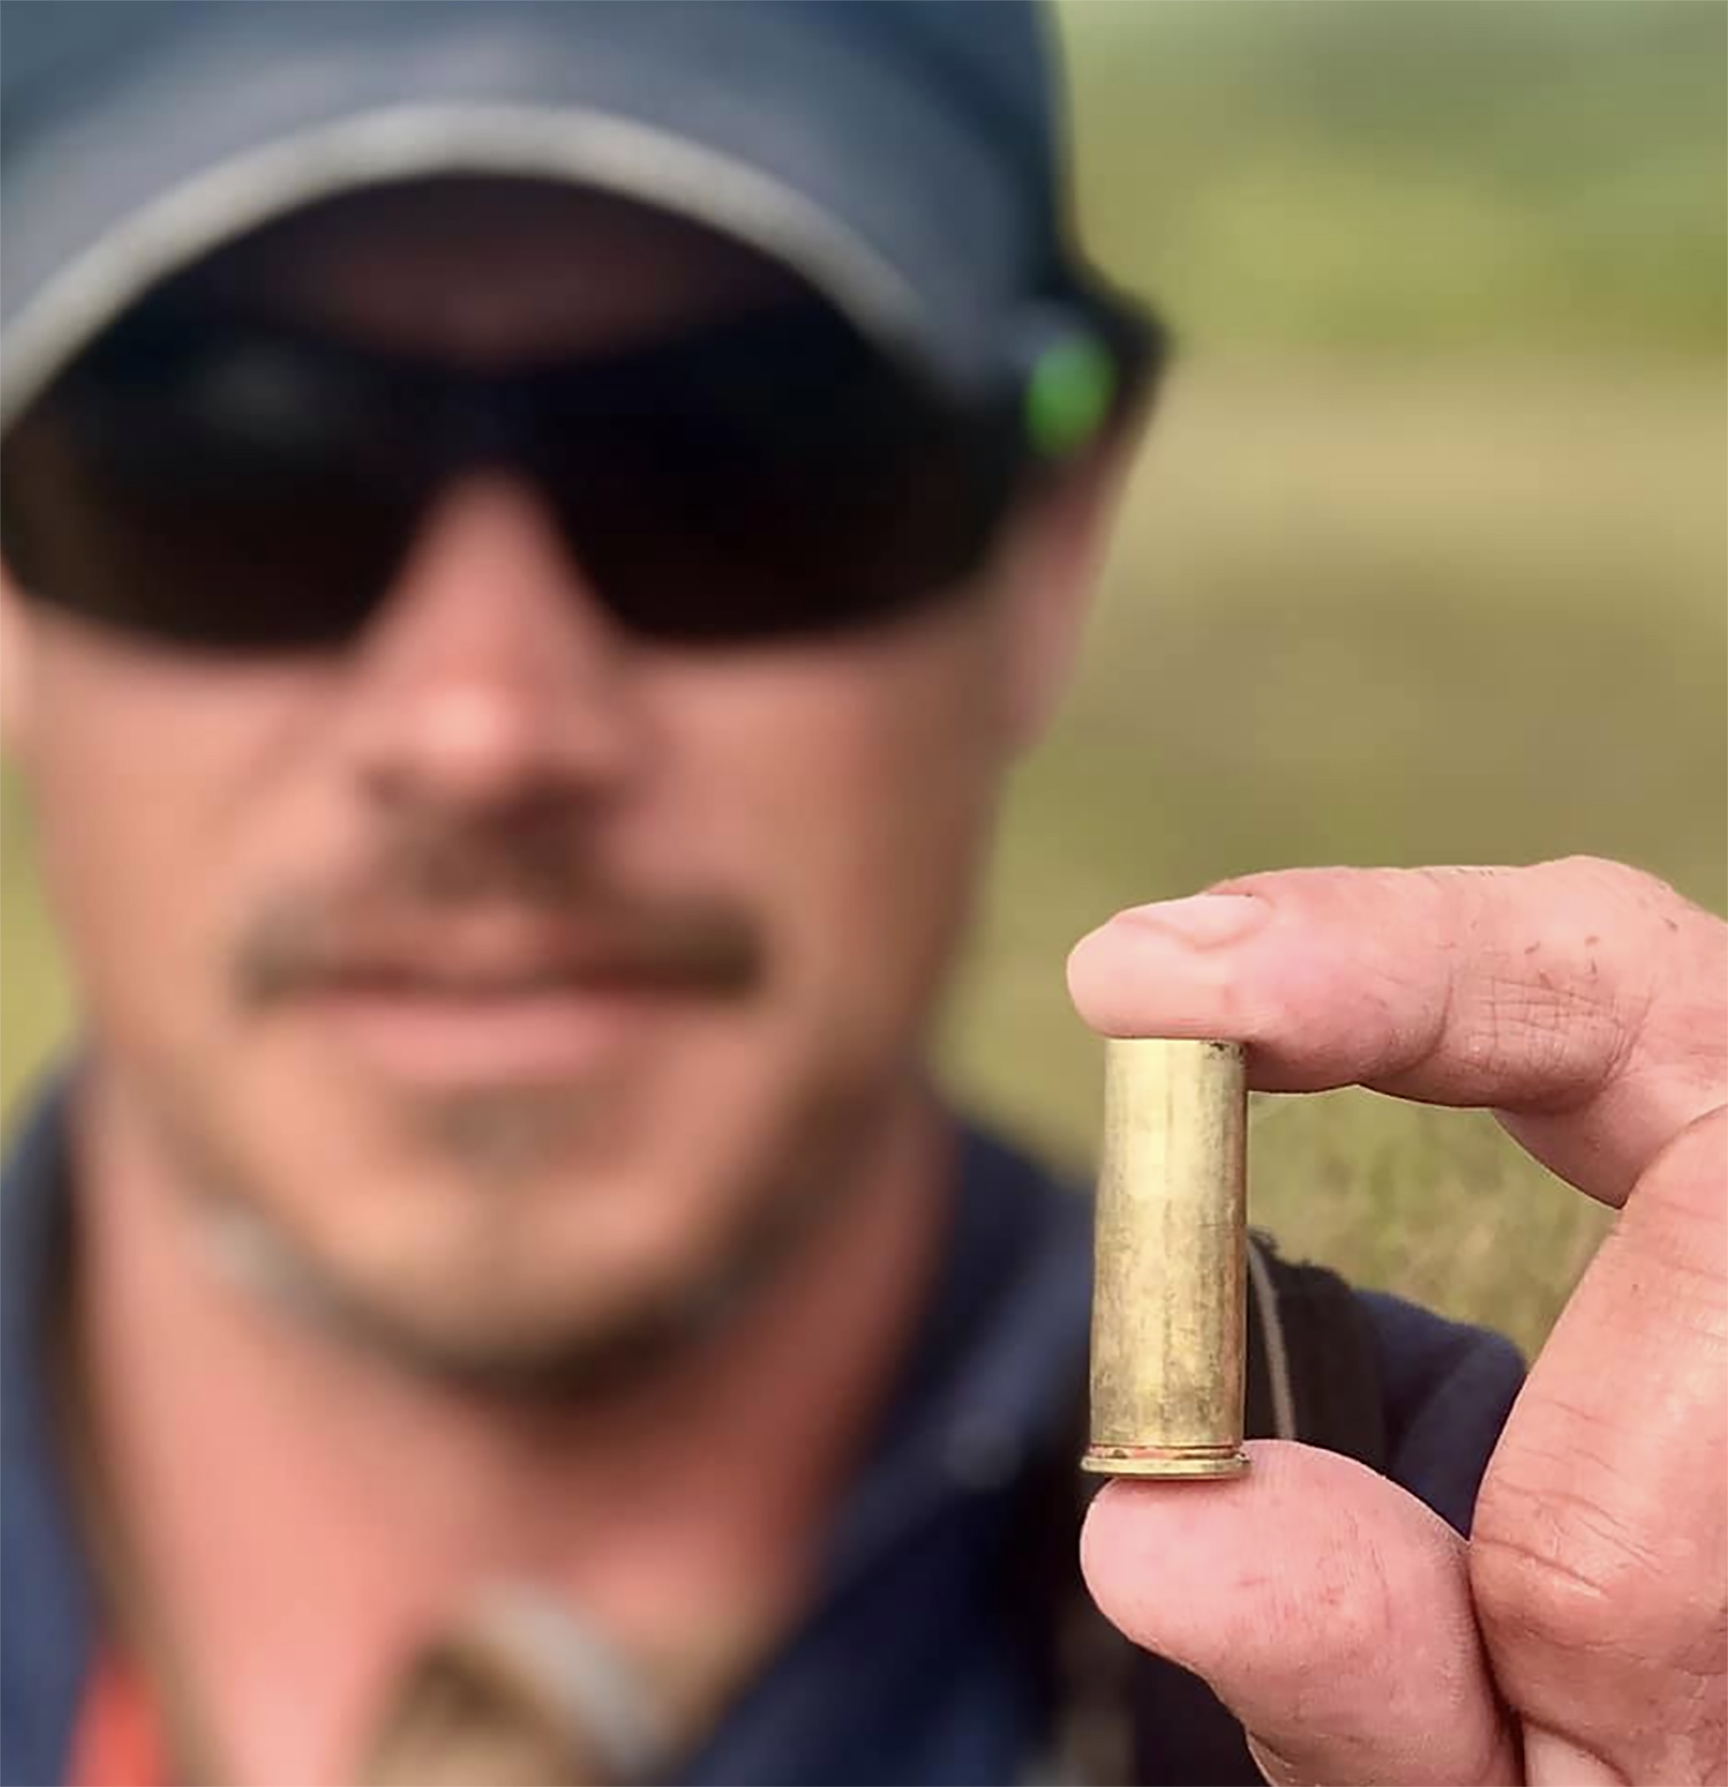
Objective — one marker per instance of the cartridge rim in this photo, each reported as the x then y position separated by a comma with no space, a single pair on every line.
1165,1461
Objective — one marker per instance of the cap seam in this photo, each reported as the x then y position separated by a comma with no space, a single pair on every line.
580,144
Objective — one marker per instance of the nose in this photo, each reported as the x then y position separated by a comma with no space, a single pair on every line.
492,677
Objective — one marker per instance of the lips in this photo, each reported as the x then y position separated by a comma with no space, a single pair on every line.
459,980
467,1014
494,953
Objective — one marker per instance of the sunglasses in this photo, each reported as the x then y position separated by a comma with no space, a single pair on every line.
223,483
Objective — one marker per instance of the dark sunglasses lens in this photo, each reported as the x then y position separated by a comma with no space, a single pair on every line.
777,480
759,543
208,504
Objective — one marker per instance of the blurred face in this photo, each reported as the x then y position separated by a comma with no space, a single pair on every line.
525,979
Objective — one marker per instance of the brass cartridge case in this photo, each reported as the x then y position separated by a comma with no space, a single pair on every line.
1169,1309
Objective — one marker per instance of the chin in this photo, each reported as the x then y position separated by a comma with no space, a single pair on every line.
546,1234
543,1292
495,1237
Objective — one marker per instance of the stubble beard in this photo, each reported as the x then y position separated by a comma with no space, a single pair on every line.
470,1334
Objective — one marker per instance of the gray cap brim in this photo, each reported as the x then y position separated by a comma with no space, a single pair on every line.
758,120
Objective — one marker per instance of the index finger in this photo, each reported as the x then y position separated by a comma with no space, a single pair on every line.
1584,1001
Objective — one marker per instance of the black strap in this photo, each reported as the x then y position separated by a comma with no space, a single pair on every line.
1333,1361
1124,1716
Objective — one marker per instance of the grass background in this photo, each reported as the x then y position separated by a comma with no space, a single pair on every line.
1425,560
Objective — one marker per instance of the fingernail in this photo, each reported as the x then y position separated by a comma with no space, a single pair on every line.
1204,921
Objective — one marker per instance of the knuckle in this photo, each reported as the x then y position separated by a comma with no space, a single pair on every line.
1555,1027
1583,1641
1531,1593
1560,1573
1592,901
1609,878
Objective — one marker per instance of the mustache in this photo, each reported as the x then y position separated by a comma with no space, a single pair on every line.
397,916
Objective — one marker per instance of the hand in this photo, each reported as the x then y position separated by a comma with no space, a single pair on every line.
1581,1636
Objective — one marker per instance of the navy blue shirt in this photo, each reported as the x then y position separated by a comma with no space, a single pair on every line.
906,1668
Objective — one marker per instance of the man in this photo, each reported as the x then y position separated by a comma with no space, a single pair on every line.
532,536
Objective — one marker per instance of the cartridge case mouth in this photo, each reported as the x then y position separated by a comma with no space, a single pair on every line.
1165,1461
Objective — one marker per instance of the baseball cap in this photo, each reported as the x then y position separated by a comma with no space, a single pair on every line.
905,158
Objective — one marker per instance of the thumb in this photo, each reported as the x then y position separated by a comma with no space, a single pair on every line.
1328,1609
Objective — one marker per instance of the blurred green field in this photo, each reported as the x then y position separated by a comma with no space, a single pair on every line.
1426,560
1434,176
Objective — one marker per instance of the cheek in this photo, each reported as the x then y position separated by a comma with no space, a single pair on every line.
853,786
146,780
